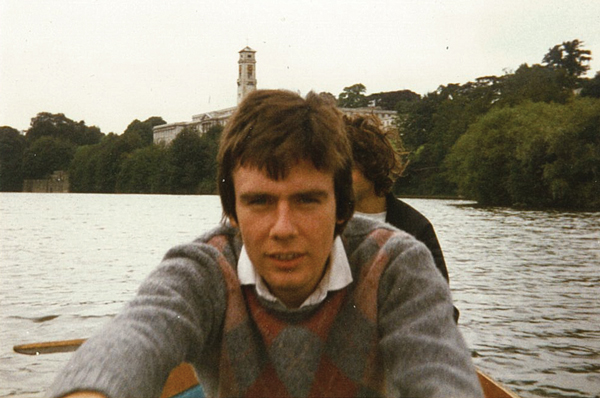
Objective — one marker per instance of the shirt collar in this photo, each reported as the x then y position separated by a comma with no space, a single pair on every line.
337,276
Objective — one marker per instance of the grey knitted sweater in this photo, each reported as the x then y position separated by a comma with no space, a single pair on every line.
390,333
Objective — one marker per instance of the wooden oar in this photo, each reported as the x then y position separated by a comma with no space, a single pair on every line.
49,347
180,380
183,377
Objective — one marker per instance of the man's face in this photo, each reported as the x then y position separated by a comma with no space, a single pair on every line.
287,227
363,188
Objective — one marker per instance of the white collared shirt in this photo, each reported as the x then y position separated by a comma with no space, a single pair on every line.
337,276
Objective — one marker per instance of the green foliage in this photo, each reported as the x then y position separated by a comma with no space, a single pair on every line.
124,164
192,161
12,146
111,153
534,83
59,126
145,170
144,129
82,171
392,100
519,139
96,167
432,126
353,97
46,155
52,140
534,155
569,57
574,176
591,87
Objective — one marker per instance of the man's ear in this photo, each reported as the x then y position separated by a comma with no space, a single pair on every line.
233,222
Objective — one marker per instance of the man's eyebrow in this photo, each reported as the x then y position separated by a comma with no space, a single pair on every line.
254,195
320,193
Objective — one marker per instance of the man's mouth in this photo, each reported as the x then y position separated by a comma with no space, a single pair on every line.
285,256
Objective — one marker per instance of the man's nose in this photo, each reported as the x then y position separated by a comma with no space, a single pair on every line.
284,226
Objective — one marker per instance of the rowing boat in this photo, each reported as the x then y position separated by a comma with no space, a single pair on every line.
182,382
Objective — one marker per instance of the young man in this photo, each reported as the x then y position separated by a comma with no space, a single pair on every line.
377,165
288,299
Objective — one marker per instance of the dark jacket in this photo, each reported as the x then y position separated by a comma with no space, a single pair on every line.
408,219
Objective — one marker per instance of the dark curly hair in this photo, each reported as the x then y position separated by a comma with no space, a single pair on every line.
374,154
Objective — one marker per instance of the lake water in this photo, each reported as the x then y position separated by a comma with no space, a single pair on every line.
527,282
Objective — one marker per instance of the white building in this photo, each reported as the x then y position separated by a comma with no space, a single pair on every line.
246,83
202,122
247,75
385,117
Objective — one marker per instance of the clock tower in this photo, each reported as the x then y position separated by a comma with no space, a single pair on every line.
247,73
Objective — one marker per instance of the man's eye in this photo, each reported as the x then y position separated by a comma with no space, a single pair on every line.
258,201
308,200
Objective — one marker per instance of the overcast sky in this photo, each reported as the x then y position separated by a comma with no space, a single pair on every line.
108,62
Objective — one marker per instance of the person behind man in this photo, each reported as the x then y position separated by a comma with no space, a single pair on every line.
377,165
290,297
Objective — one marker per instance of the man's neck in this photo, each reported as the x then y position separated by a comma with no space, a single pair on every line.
371,204
337,275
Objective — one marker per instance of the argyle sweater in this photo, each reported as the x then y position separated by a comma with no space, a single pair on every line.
389,333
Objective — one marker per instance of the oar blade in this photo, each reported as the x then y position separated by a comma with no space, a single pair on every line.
49,347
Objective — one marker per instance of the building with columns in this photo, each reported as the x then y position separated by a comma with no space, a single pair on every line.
246,83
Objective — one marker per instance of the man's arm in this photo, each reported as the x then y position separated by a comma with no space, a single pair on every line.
174,315
424,352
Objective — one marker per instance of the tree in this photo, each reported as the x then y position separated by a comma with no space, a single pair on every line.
112,151
12,147
570,57
47,155
144,129
59,126
82,171
390,100
353,97
534,83
573,176
591,87
533,155
431,127
145,170
95,168
188,159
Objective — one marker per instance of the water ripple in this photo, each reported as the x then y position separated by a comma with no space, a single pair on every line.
526,282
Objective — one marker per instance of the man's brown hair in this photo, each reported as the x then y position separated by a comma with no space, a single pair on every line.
274,130
374,154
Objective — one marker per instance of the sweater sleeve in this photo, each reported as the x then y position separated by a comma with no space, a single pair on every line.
176,313
423,349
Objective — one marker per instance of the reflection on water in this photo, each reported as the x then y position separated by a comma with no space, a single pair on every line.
526,282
